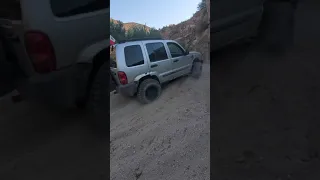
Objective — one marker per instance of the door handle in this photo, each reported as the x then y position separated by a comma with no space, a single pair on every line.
176,60
154,65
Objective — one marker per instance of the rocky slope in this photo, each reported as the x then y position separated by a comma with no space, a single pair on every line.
193,33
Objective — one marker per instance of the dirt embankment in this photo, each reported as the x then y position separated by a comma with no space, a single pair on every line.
193,33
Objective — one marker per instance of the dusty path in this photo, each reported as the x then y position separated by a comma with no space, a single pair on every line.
168,139
37,143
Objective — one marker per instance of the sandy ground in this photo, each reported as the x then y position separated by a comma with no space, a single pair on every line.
39,143
167,139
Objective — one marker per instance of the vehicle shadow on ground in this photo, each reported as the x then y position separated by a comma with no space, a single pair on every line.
178,81
25,126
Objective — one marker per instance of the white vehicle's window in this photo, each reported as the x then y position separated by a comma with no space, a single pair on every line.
133,55
64,8
175,50
156,52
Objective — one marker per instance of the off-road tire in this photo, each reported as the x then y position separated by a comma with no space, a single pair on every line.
143,87
98,101
196,69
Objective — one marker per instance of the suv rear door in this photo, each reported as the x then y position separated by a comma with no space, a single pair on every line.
159,61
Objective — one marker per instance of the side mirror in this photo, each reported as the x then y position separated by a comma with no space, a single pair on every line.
186,52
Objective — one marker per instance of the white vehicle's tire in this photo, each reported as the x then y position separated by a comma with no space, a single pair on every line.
98,101
196,69
148,91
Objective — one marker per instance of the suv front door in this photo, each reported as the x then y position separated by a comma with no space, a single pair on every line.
181,62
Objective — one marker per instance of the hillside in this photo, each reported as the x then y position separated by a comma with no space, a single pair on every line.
193,34
129,25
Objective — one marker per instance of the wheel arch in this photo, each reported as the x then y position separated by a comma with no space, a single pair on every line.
147,76
97,61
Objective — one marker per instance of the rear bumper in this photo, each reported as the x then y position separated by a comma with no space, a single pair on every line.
60,88
128,89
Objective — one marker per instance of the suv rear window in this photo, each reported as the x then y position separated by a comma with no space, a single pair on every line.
156,52
63,8
10,10
133,55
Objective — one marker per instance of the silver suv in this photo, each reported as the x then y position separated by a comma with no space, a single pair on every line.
54,48
140,66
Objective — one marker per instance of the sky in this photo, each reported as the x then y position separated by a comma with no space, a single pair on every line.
153,13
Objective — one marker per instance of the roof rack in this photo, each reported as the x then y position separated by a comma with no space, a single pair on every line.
138,39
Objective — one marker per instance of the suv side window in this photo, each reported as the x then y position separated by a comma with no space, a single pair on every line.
133,55
175,50
156,52
65,8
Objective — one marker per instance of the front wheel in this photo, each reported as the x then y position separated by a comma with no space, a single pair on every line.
196,69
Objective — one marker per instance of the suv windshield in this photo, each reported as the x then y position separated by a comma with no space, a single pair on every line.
10,10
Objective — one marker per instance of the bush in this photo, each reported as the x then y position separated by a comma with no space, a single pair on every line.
137,32
154,33
117,31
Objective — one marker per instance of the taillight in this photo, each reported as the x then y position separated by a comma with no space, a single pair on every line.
40,51
122,77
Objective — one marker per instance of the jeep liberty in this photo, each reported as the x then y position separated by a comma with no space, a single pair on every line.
140,66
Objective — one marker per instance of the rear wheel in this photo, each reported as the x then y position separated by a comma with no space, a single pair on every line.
148,91
98,100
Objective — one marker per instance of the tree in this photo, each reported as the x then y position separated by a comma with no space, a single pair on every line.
154,33
139,32
136,32
117,30
202,5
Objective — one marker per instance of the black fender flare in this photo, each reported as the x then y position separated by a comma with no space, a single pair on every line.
99,59
198,60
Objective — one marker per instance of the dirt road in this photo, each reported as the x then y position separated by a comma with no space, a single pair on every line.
38,143
167,139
